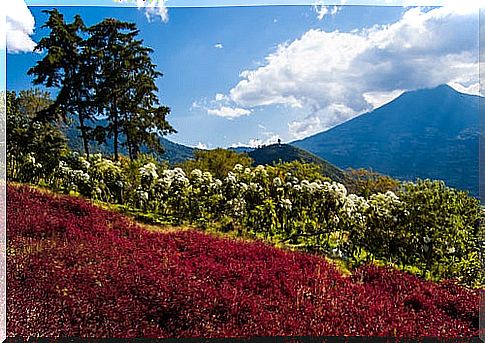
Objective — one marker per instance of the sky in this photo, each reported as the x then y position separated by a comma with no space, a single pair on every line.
249,75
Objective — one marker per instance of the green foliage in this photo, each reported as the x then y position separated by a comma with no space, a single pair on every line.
283,154
125,86
66,66
367,182
300,170
425,227
34,147
217,161
444,226
102,70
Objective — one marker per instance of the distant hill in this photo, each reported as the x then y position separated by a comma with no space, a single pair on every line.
241,149
274,153
429,133
174,152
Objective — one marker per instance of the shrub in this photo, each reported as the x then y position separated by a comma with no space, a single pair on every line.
424,227
78,271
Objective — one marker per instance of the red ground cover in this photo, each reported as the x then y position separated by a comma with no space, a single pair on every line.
77,270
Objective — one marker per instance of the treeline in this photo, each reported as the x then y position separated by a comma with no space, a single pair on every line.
101,72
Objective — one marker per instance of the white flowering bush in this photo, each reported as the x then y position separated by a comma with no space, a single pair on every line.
425,225
24,168
97,177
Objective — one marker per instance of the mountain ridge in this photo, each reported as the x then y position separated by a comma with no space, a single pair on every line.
274,153
428,133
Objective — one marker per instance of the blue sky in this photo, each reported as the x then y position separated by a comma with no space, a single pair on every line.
243,75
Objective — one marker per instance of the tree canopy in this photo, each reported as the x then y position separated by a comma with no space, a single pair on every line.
218,161
26,135
102,71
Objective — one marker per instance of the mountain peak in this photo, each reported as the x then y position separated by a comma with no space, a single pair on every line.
418,134
441,90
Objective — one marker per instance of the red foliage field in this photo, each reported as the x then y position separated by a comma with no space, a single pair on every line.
77,270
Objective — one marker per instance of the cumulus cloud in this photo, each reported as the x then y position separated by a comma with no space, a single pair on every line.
268,138
221,106
153,8
320,120
218,46
377,99
473,89
228,112
333,76
17,26
220,97
322,10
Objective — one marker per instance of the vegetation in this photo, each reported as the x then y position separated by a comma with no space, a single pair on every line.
102,70
32,146
79,271
425,227
366,182
285,153
218,161
96,274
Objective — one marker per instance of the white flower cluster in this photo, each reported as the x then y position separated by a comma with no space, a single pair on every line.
243,193
384,204
149,170
32,162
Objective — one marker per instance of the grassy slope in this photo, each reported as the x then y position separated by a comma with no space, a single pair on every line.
77,270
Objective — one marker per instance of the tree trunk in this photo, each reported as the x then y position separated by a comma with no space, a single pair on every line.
128,138
83,134
115,131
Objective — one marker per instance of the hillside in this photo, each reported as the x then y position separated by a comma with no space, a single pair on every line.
274,153
174,152
78,271
429,133
241,149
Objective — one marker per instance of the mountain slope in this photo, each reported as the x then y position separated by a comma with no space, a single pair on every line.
287,153
429,133
241,149
174,152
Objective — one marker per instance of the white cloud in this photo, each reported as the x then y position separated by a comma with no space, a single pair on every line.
377,99
228,112
153,8
218,46
473,89
220,97
201,146
320,120
17,27
221,106
365,68
322,10
256,142
269,138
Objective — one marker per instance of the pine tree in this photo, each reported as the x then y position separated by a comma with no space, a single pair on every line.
126,88
66,66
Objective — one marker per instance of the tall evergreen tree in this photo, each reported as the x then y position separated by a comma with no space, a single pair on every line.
101,71
144,119
66,66
126,87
